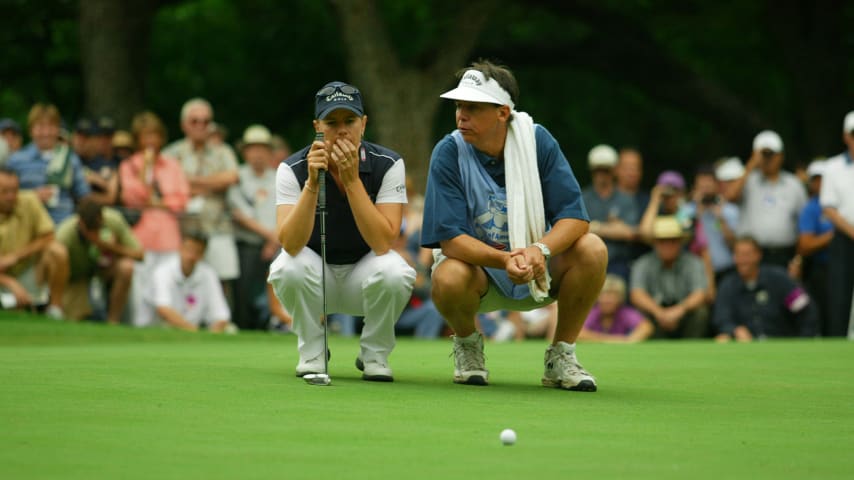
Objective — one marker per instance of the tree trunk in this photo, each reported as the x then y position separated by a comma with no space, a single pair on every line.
402,102
114,37
811,48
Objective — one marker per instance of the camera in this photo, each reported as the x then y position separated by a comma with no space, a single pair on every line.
710,200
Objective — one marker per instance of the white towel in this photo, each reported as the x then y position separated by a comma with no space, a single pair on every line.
525,213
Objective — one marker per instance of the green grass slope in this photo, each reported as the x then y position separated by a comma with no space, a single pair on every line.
90,401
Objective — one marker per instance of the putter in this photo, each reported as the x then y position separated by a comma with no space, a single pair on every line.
322,378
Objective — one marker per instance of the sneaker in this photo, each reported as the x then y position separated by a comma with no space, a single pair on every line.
54,312
469,361
313,365
375,371
280,328
562,370
506,331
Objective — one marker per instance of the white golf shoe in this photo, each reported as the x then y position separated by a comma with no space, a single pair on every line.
469,361
562,370
375,369
312,365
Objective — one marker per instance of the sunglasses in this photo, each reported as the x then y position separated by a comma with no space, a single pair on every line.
199,121
345,89
768,153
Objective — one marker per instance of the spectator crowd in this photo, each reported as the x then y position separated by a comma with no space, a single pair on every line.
120,226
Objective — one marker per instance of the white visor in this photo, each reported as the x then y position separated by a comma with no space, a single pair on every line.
474,87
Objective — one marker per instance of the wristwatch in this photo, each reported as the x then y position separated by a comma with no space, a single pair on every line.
543,248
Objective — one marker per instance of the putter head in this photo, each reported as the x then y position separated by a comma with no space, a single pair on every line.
317,379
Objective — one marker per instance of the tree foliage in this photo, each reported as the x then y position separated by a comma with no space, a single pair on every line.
685,81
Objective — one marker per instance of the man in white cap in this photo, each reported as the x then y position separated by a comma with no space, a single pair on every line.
613,216
770,199
837,201
505,217
252,203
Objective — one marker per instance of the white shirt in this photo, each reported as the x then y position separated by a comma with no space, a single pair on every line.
837,187
198,298
769,210
254,197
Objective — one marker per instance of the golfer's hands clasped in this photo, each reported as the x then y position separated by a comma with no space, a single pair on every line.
526,264
342,153
345,156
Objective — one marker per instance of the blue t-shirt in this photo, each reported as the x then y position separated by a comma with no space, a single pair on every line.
445,201
617,206
31,165
719,250
812,220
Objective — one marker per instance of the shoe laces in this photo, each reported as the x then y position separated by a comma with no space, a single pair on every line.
469,355
566,362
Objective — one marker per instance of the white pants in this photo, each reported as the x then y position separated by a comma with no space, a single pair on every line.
376,287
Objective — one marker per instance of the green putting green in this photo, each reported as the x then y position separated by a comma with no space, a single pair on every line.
90,401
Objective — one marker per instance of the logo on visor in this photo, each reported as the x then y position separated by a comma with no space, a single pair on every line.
338,96
473,78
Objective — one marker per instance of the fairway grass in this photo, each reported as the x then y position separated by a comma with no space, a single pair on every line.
90,401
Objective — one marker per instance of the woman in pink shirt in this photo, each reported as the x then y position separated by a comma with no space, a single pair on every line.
611,320
155,186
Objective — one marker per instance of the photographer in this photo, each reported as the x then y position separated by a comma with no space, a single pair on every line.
715,220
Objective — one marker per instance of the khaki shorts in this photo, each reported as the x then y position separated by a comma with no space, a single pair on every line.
29,280
493,299
75,301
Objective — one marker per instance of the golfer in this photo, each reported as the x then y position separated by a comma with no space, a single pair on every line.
365,195
504,214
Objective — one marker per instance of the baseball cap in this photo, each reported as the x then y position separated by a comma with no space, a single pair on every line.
667,226
335,95
257,135
9,124
474,87
104,126
602,156
816,168
768,140
848,124
671,178
84,126
729,169
122,139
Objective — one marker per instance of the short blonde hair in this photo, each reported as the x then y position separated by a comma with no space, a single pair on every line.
43,111
615,283
147,121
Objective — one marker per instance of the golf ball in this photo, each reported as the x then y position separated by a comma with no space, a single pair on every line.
508,436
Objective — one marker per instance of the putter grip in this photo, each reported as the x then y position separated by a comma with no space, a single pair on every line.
321,180
321,187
